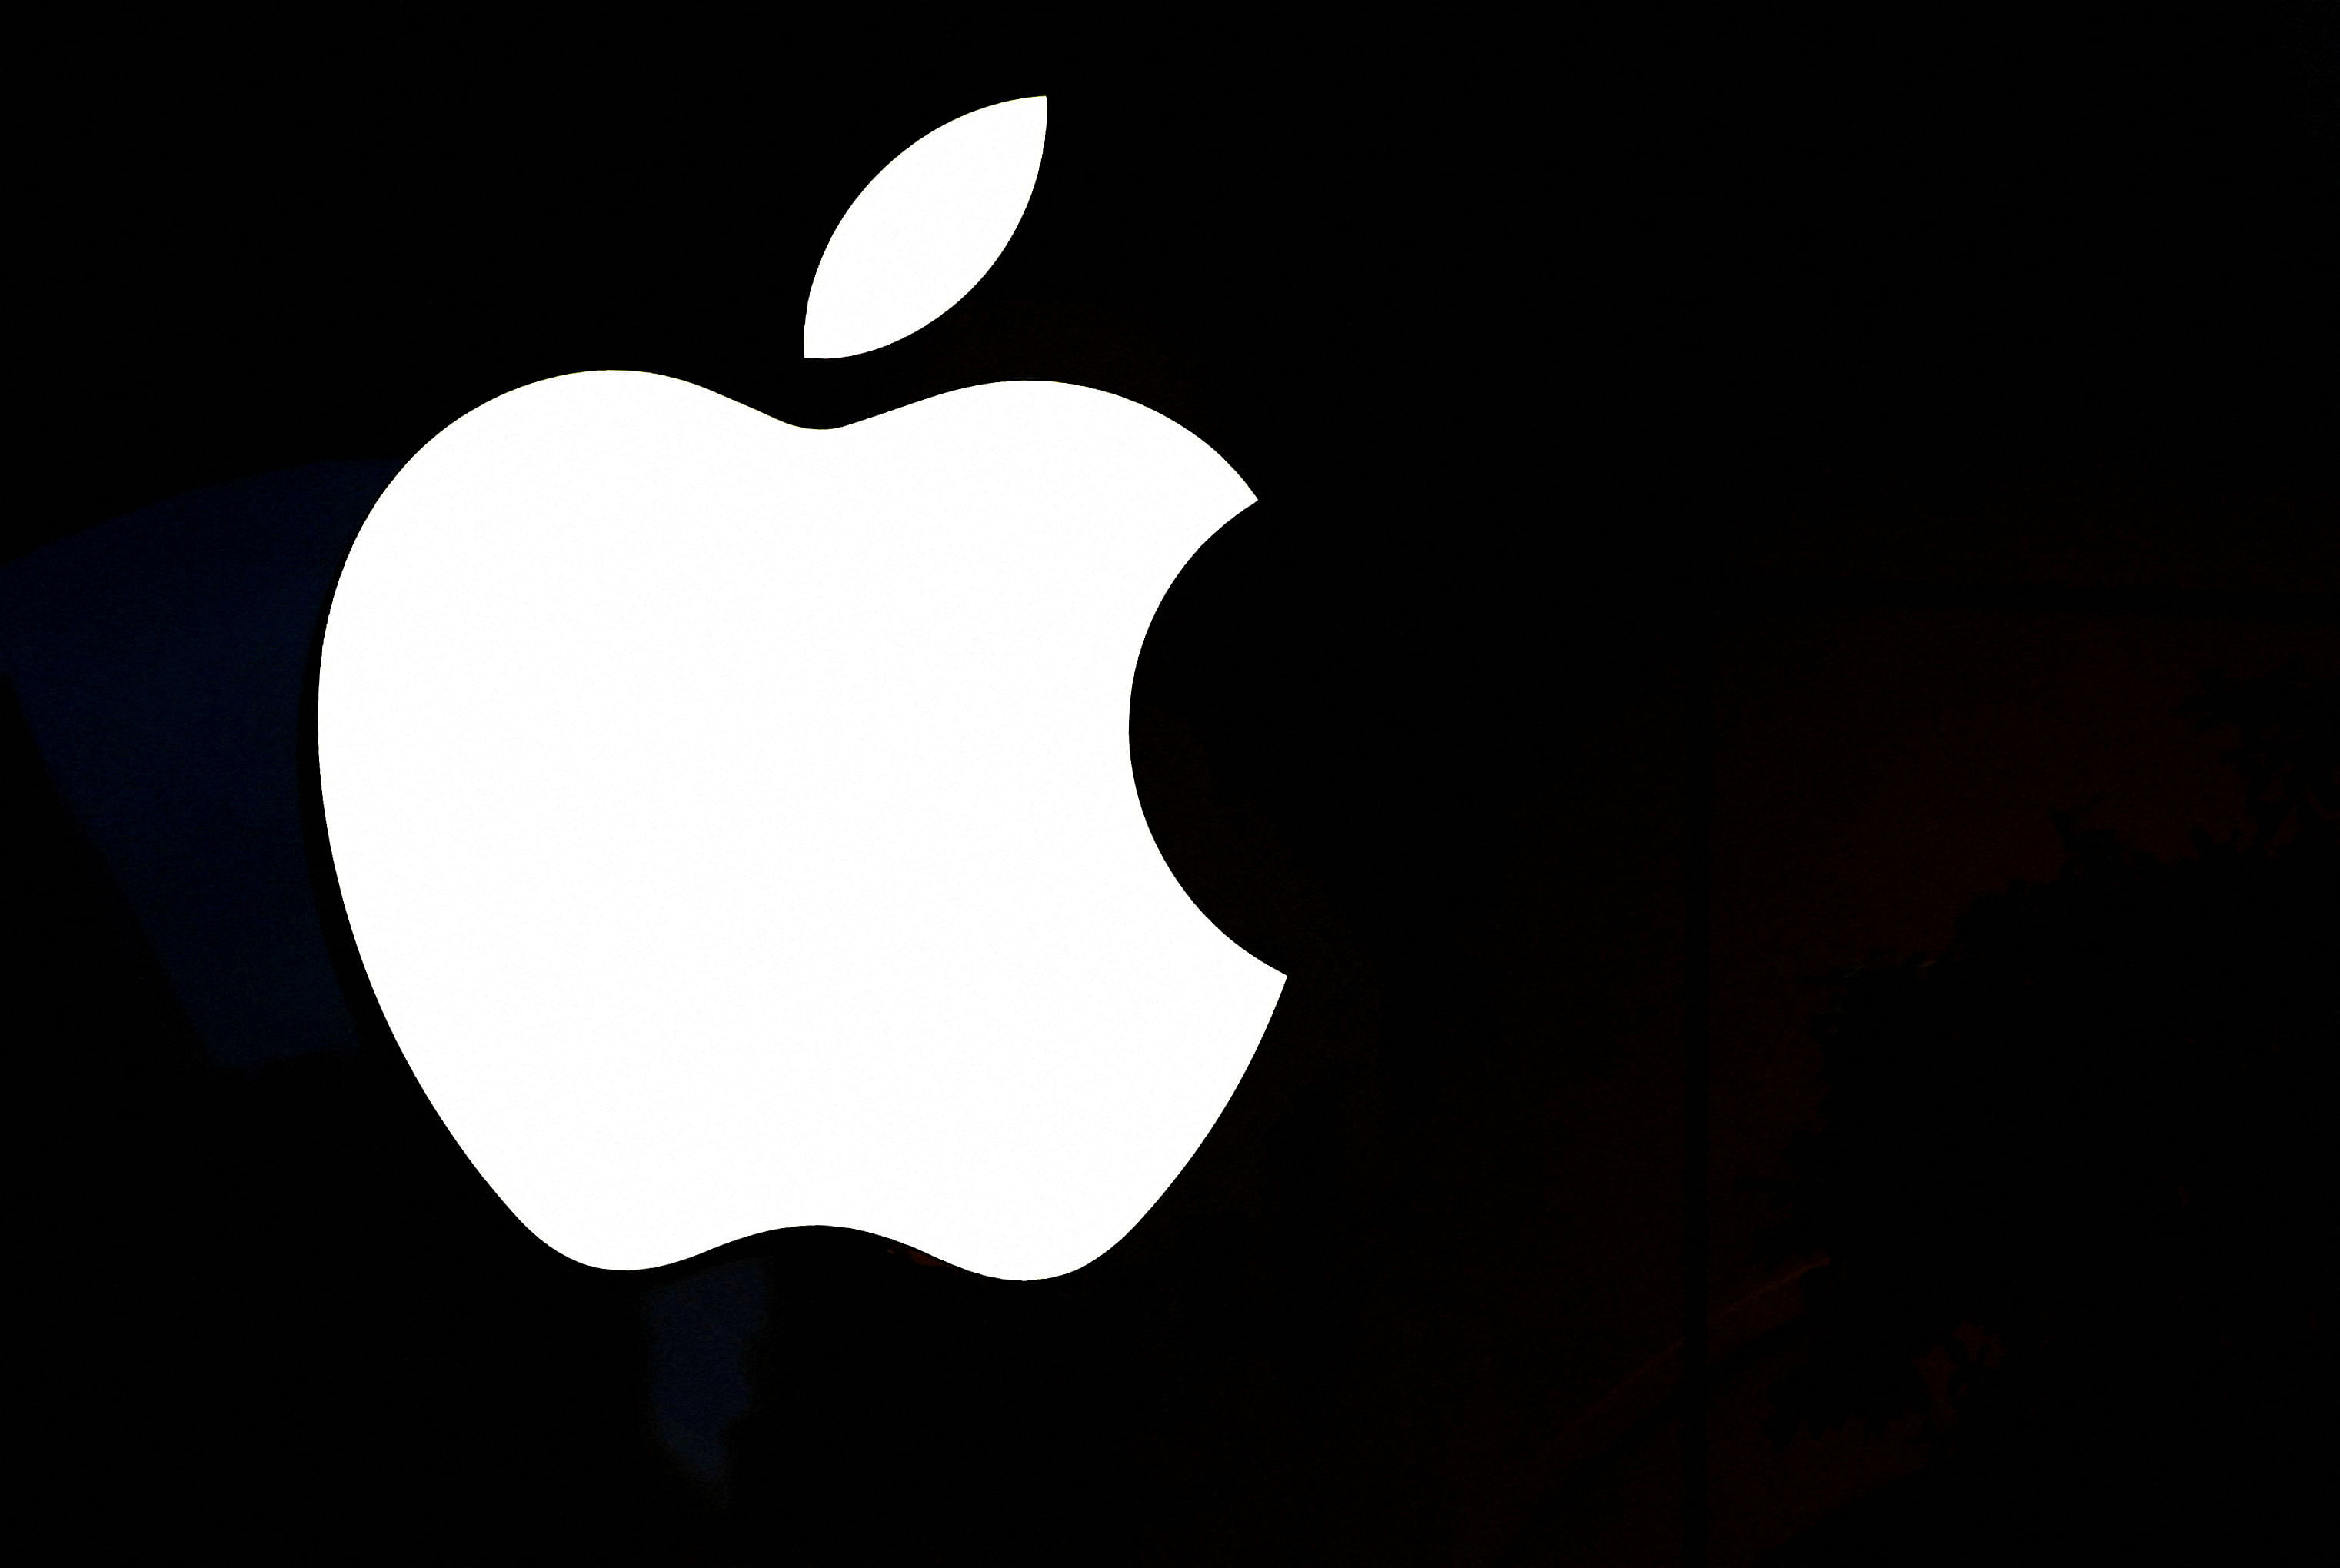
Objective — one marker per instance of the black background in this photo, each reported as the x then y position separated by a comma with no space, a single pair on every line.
1532,343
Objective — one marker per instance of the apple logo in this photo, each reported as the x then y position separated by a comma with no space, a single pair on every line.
736,821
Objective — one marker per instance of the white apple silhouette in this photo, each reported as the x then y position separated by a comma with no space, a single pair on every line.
736,820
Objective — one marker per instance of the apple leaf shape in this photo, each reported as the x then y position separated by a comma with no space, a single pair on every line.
923,232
